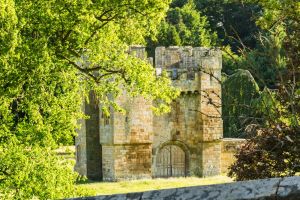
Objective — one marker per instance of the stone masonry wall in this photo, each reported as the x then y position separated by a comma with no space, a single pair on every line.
88,149
229,148
133,161
108,162
80,147
123,162
128,154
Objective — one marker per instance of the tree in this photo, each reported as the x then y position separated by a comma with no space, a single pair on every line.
240,91
233,20
35,172
184,25
52,53
273,149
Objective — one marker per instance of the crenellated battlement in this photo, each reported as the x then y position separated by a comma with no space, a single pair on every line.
185,57
190,68
186,66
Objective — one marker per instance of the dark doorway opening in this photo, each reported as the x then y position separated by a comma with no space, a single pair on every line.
93,147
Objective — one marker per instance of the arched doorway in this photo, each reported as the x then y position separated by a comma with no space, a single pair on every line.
171,162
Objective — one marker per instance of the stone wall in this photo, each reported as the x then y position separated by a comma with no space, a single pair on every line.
125,162
287,188
130,144
80,146
229,148
133,161
108,162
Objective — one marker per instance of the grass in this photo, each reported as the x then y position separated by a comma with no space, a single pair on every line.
106,188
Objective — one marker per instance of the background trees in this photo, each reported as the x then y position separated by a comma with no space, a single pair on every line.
273,150
240,92
183,25
234,21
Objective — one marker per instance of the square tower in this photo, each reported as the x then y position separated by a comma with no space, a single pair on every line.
194,125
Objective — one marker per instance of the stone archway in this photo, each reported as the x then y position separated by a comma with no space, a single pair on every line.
171,161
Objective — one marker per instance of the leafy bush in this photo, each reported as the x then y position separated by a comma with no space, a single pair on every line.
273,152
35,172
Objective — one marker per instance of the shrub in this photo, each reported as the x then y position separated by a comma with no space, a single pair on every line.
272,152
35,172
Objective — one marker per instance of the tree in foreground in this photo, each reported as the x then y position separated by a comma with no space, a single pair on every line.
52,53
274,146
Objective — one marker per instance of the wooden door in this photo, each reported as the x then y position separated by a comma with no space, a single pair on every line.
171,162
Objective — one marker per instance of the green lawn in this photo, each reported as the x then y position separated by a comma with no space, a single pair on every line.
103,188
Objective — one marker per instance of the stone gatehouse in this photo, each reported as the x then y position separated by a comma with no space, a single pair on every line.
187,141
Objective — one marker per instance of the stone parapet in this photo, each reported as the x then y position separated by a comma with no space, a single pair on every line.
190,68
187,57
287,188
